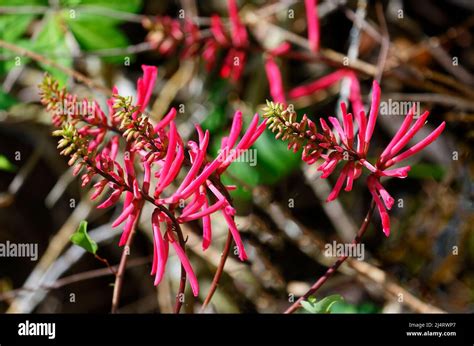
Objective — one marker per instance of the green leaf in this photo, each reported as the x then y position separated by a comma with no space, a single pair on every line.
81,238
51,41
241,172
215,120
131,6
93,35
323,306
6,100
12,28
6,165
275,161
427,171
24,3
100,11
347,308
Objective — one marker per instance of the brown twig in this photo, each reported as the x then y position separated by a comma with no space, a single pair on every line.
336,265
104,260
71,279
225,252
69,71
385,43
219,271
121,269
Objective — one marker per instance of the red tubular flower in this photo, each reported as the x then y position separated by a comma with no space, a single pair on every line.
325,144
145,86
275,81
239,32
166,34
217,29
160,152
161,248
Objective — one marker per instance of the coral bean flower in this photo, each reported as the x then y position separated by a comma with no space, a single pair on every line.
154,157
342,144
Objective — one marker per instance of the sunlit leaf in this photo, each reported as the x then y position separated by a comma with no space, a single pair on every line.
81,238
322,306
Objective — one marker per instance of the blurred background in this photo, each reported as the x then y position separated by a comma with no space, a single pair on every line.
421,50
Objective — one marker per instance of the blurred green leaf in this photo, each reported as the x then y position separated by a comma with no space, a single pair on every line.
6,165
94,35
215,120
81,238
237,173
13,26
427,171
6,101
51,41
343,307
124,6
275,161
321,307
24,3
243,172
100,11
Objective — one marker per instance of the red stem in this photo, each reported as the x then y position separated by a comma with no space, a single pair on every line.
219,271
335,266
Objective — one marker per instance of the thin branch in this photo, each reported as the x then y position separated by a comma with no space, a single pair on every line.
121,268
219,271
336,265
182,280
69,71
68,280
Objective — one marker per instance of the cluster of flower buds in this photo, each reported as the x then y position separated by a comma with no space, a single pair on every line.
341,144
167,34
157,166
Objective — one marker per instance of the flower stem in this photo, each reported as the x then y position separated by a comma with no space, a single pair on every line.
219,271
104,260
182,280
336,265
42,59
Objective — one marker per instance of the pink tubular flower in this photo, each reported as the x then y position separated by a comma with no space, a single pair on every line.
166,34
236,40
145,86
275,81
317,85
159,152
311,7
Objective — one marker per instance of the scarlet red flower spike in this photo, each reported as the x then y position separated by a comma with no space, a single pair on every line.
325,145
160,152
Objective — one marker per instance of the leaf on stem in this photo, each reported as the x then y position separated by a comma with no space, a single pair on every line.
313,306
81,238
